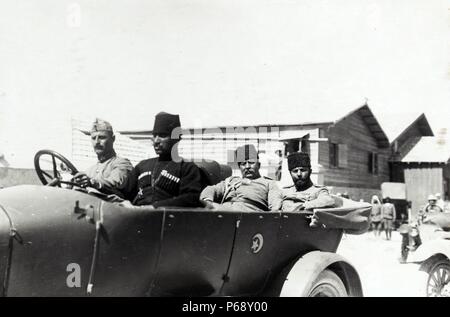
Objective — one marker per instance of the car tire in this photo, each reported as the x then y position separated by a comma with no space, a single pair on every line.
328,284
438,281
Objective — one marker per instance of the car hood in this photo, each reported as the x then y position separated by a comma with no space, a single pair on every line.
40,234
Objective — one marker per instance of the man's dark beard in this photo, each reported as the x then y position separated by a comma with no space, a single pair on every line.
165,156
106,155
303,184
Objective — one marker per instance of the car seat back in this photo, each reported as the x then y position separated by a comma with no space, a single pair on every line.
213,172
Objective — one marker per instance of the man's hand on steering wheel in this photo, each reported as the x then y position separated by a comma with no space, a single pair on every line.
84,181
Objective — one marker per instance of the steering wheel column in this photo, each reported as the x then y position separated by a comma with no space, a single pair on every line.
60,165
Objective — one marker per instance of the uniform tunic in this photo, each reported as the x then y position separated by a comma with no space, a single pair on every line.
389,215
388,211
375,215
313,197
261,194
113,175
167,183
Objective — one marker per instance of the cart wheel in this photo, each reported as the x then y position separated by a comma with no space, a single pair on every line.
328,284
438,282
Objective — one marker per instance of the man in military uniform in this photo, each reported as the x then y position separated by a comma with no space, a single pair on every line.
432,205
303,194
167,180
110,175
251,192
389,215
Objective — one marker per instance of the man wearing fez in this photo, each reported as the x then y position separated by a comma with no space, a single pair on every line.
303,194
110,175
251,192
167,180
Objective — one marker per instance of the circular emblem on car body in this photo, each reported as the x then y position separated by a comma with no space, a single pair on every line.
257,243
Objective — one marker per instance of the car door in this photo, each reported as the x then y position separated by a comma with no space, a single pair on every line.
254,252
127,250
297,238
195,252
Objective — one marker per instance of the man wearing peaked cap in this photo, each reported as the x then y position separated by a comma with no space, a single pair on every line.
111,173
432,205
167,180
250,192
303,194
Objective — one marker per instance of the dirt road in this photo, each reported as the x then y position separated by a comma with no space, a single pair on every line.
376,261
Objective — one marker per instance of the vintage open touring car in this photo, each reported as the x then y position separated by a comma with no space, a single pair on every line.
432,253
57,241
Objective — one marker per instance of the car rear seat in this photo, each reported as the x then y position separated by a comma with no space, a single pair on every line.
213,172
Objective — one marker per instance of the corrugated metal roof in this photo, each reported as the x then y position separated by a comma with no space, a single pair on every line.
430,150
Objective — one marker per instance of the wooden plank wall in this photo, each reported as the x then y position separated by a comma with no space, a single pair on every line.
422,181
353,132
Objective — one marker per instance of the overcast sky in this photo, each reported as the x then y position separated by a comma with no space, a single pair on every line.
220,61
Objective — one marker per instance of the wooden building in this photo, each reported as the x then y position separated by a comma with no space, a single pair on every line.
349,150
425,170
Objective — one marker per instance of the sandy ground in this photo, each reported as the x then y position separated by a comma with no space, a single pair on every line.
376,261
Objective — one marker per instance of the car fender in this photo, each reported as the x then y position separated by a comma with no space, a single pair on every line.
430,248
307,268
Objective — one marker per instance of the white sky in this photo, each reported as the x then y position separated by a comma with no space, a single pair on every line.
217,62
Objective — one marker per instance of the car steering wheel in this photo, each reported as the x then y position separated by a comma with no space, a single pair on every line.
64,164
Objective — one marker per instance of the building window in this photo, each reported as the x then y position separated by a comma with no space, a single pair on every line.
322,133
338,155
334,155
372,163
342,157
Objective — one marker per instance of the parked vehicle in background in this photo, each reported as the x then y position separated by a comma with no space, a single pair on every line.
397,194
433,254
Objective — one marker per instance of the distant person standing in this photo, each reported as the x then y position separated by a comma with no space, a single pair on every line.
389,214
376,216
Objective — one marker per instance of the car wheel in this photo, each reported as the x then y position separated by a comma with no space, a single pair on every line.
328,284
438,282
